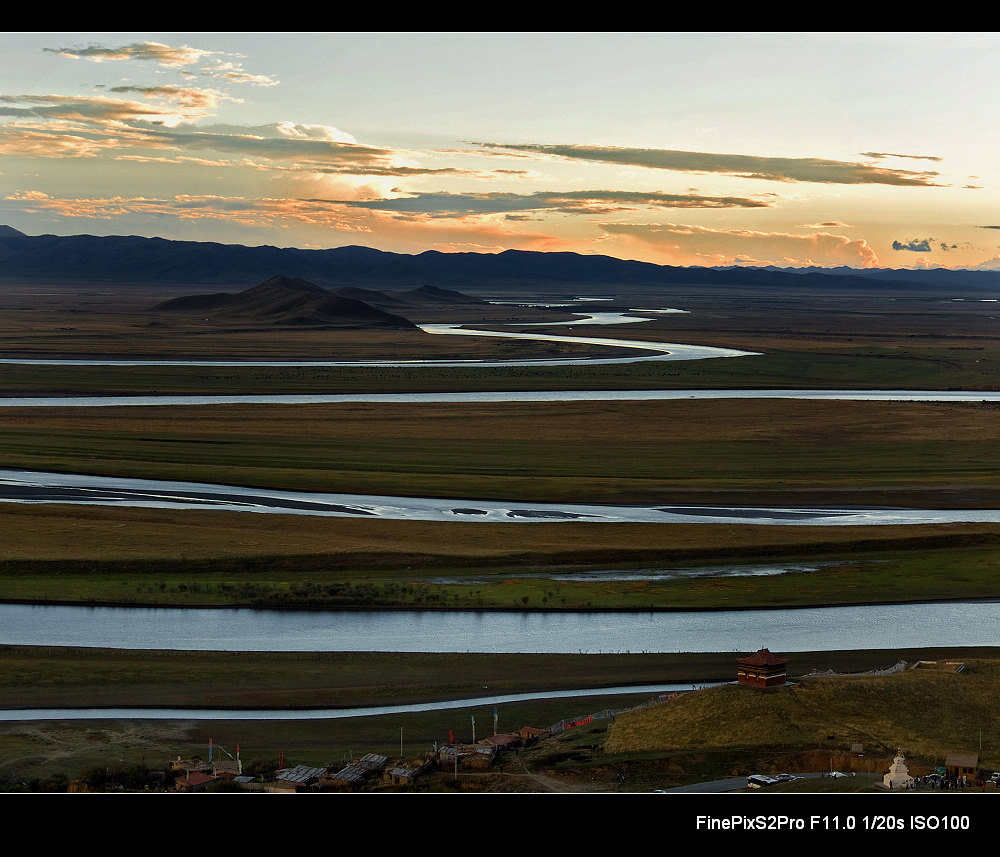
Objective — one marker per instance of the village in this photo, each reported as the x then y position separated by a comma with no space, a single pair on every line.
374,771
444,765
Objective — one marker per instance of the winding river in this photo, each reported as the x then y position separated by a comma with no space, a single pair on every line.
250,630
28,487
17,486
660,350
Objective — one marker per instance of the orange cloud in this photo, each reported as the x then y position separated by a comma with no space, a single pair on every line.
739,166
79,108
186,96
587,202
699,245
167,55
154,51
306,217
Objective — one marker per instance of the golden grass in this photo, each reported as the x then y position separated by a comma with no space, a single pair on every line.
926,713
753,451
55,532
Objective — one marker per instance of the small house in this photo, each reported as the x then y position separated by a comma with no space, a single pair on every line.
962,765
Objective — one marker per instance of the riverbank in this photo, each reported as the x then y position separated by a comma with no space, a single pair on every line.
48,676
103,677
170,558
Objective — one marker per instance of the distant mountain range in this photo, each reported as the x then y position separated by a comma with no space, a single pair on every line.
289,300
158,261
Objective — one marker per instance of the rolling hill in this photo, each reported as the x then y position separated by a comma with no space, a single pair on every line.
286,300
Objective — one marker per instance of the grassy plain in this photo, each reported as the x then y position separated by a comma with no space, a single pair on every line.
679,452
714,452
64,554
726,450
766,451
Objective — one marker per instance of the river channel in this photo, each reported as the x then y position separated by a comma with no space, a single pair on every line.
18,486
658,350
489,396
246,630
878,627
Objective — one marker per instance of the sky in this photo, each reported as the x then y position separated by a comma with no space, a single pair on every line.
788,149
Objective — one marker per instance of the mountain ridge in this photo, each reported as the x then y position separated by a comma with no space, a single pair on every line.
135,259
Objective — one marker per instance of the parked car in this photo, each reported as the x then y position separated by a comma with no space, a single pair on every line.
788,778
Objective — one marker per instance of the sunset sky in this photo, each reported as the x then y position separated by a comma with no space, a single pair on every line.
868,150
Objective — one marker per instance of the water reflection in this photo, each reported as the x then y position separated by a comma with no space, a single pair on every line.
789,630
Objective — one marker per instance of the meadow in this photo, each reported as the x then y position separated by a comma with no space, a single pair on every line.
682,452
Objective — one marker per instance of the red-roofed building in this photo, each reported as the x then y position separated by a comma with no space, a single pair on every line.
194,781
762,669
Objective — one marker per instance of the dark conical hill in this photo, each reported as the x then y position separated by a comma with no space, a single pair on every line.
286,300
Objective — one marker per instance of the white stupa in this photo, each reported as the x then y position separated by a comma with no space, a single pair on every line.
898,777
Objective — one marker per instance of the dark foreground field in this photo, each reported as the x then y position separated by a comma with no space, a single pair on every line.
703,735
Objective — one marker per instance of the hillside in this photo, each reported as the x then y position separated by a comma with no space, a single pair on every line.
287,300
926,712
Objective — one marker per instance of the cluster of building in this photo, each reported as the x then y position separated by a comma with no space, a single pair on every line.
371,771
762,669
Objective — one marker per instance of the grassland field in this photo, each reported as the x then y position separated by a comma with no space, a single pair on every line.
685,451
766,451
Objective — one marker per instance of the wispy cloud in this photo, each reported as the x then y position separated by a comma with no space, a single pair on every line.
82,108
63,126
269,213
742,166
233,73
592,202
152,51
882,155
46,143
340,214
251,212
188,96
175,57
